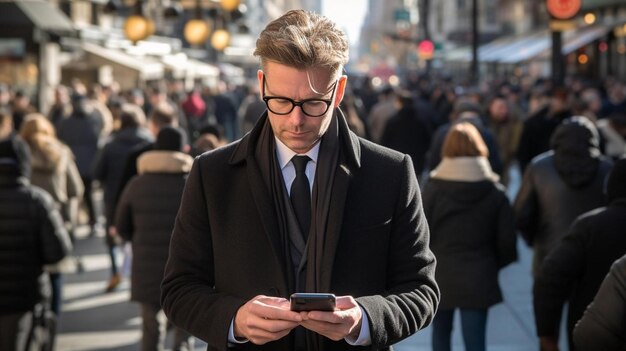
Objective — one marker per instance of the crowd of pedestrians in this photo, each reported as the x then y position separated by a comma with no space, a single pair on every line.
137,148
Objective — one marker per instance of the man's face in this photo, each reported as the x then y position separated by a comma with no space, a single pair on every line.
296,130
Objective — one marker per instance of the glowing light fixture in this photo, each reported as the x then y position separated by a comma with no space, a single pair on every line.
197,31
230,5
590,18
220,39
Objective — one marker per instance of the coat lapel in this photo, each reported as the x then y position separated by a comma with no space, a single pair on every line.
349,162
262,197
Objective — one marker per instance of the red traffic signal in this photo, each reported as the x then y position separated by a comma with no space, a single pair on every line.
425,49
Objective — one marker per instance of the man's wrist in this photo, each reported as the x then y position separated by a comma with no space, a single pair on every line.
356,331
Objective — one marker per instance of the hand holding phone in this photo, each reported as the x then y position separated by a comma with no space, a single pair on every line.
312,302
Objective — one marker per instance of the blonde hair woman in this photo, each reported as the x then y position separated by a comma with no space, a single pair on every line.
54,170
472,235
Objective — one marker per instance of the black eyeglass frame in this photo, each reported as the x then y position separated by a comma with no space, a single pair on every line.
295,103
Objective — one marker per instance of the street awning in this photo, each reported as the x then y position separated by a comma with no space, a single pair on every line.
146,69
34,13
181,66
583,36
528,49
511,50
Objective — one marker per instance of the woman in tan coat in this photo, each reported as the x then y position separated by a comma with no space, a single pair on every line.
54,170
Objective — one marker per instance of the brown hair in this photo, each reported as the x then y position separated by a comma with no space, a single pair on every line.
40,135
164,115
464,140
303,40
132,116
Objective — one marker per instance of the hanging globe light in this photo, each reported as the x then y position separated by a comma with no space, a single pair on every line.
136,28
230,5
220,39
196,31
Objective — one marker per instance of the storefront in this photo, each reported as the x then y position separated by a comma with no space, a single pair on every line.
29,47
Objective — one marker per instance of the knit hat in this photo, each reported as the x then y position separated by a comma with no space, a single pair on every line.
171,139
576,153
616,182
15,157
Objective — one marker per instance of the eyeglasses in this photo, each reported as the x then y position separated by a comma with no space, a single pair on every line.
283,105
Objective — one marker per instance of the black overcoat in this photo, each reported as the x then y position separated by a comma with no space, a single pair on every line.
225,247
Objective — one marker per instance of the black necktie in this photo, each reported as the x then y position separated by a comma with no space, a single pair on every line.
301,195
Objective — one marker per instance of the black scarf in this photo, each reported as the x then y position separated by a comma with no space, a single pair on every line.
328,159
265,154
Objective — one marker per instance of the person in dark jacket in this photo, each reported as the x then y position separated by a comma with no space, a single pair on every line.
408,132
32,234
538,128
81,132
603,325
145,216
472,235
574,270
108,169
161,116
464,111
560,185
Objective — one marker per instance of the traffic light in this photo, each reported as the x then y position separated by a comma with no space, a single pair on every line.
425,49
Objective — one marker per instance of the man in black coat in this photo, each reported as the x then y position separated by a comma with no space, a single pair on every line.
574,270
32,234
241,244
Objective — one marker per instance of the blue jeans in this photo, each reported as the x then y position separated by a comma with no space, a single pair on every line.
473,326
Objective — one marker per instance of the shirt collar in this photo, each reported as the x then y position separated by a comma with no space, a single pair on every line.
285,154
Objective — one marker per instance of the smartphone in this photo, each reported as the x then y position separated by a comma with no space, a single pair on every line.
312,302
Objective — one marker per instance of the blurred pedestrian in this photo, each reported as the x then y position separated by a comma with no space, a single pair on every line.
32,235
54,170
539,127
408,132
226,112
252,107
507,130
472,236
381,112
195,111
464,111
145,217
108,168
81,132
573,271
20,107
559,185
61,107
162,116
